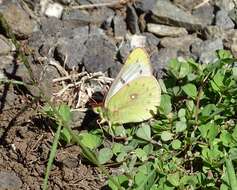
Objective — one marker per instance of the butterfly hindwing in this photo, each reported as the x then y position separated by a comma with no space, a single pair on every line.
135,102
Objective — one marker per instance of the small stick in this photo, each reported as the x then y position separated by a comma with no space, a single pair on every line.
109,4
201,4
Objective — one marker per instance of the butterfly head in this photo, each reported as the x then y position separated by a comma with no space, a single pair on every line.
102,112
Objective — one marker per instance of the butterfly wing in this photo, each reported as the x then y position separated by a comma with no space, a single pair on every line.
136,65
135,102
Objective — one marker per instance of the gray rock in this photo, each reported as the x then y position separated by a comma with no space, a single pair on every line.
120,27
206,46
97,16
124,51
69,53
151,40
226,5
65,2
206,50
42,74
18,20
5,46
100,54
230,41
187,4
223,20
79,15
166,13
145,5
164,30
5,61
50,27
9,180
70,162
213,32
208,57
205,13
132,20
160,59
233,15
114,69
70,50
102,14
183,43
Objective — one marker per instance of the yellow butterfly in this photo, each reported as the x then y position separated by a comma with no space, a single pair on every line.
134,95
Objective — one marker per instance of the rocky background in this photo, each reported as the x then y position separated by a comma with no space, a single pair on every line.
73,47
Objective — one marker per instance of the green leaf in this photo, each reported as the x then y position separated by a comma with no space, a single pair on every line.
181,113
174,179
209,131
226,138
165,105
217,82
90,140
120,131
141,154
231,174
121,156
105,154
121,179
162,86
224,54
65,113
180,126
234,71
176,144
190,105
166,136
190,89
179,69
117,148
148,148
144,132
184,70
65,135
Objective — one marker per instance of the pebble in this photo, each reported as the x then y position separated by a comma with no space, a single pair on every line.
183,43
132,20
100,54
160,60
120,27
226,5
167,13
164,30
9,180
18,20
54,10
223,20
5,46
205,13
206,50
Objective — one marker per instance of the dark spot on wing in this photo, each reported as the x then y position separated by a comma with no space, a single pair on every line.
122,80
140,71
133,96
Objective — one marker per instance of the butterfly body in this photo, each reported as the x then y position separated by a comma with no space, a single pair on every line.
135,93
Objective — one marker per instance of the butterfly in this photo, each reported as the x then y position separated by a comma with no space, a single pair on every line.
134,95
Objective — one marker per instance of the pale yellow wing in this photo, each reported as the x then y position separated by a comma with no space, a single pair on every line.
135,102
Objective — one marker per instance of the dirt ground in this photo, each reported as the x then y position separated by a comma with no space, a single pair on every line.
25,144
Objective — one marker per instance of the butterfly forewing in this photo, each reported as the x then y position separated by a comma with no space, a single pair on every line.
136,65
136,101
